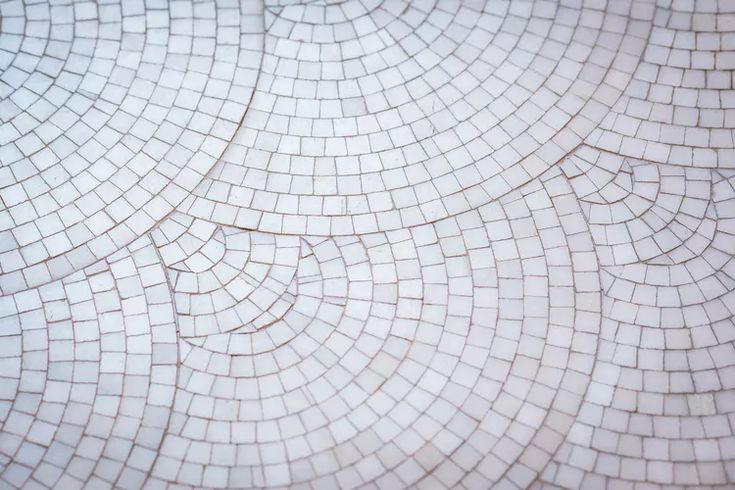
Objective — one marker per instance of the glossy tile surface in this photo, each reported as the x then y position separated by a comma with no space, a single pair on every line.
367,244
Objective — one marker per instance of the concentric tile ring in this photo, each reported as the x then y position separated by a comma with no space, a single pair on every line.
308,161
139,112
367,244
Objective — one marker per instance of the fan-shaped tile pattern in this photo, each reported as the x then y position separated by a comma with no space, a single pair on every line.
110,116
436,108
374,244
401,348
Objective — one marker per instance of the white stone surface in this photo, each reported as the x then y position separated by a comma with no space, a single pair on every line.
367,244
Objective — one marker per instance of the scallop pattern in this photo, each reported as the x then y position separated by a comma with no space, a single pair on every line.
374,244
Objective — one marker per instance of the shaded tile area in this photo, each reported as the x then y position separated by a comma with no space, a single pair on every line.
367,244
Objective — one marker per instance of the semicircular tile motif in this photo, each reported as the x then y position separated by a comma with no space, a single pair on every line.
437,108
110,116
367,244
400,344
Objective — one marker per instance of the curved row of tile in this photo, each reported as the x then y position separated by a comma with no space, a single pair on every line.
381,277
473,103
680,106
136,105
405,347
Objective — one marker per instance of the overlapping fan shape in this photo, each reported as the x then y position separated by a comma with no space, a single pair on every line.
661,393
225,279
444,107
645,212
397,349
110,116
367,244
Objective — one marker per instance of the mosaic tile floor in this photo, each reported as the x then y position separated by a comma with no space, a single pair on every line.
367,244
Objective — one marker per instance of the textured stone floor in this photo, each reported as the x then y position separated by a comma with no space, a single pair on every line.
367,243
